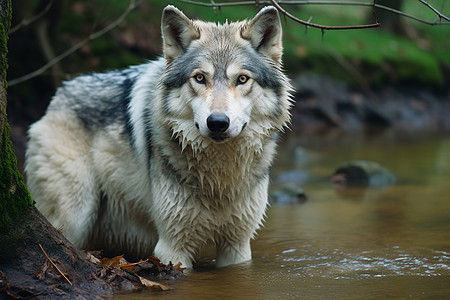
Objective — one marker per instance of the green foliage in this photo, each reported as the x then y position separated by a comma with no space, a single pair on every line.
374,54
378,56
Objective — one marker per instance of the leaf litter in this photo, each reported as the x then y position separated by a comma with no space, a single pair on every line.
111,274
130,276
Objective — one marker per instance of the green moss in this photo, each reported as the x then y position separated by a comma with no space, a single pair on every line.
5,24
378,57
3,51
14,195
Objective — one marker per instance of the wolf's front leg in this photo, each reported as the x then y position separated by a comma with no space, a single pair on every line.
229,253
167,252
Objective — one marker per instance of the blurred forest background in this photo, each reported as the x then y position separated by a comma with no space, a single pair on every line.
394,76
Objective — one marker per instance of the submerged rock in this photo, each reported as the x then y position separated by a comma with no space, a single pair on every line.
287,194
362,173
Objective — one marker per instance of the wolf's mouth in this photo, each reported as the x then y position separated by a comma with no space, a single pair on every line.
221,137
218,138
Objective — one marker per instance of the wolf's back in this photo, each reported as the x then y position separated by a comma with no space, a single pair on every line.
85,135
99,99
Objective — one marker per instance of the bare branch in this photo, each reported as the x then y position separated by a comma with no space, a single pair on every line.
441,16
133,4
199,3
320,2
27,21
323,27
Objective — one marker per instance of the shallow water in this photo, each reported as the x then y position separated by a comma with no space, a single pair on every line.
357,243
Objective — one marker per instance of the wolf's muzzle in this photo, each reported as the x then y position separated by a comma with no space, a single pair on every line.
218,123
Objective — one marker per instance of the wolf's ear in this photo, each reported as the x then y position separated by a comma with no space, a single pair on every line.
264,32
177,31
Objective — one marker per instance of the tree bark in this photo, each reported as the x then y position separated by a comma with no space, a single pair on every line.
25,270
14,196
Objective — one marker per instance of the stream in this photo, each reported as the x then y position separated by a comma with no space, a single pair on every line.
361,243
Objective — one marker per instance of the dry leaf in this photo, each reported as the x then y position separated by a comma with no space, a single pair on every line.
126,276
153,284
155,260
153,267
127,267
91,258
114,262
179,267
130,266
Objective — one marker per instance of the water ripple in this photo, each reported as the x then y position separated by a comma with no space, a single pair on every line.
393,261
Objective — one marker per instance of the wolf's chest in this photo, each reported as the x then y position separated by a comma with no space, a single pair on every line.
222,168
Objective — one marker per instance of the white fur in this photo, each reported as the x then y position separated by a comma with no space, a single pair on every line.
117,192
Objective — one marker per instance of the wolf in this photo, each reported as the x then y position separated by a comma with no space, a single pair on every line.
162,157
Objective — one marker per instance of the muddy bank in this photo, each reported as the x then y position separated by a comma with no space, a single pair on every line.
322,102
25,271
37,261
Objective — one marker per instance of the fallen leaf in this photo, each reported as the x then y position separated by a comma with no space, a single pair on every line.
56,267
47,271
154,267
153,284
127,267
56,288
130,266
179,267
126,276
114,262
90,257
155,261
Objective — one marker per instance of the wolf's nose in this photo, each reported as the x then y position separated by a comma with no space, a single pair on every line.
218,123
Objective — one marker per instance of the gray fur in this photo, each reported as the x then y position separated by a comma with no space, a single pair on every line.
125,160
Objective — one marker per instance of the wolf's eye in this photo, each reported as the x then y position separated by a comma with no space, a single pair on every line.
200,78
242,79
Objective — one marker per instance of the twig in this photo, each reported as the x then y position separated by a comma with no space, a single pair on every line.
76,47
323,27
435,10
55,265
28,21
221,4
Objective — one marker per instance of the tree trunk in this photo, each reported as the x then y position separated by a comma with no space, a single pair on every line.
25,269
14,196
390,21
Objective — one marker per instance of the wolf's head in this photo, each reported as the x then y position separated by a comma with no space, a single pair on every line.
223,80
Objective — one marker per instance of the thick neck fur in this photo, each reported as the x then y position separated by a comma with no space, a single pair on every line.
220,169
